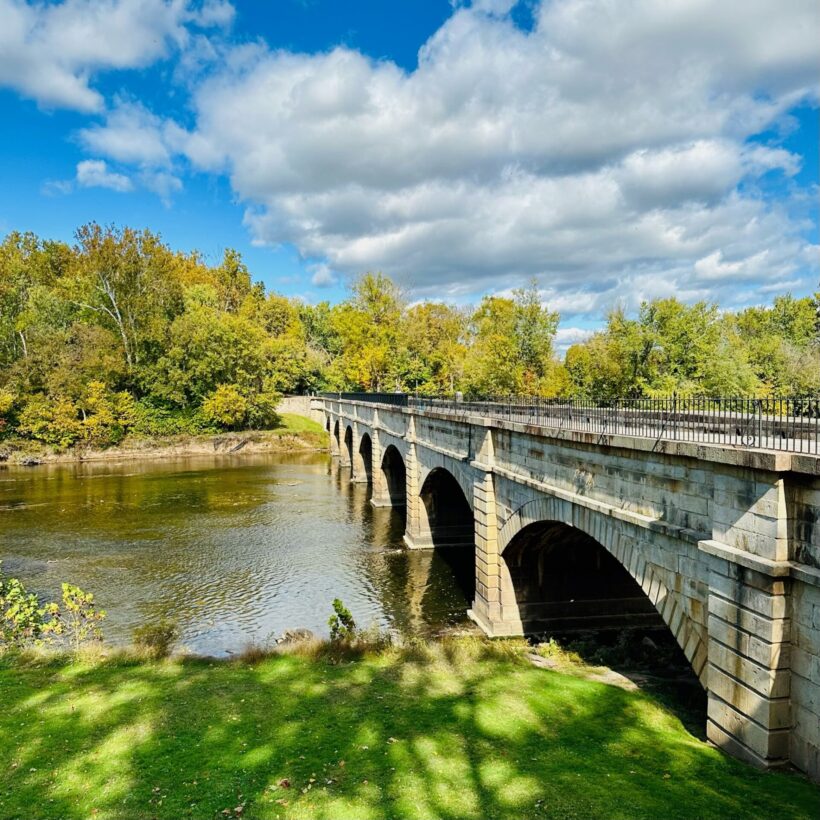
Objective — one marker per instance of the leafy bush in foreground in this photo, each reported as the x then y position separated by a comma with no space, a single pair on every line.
156,638
341,623
22,620
81,616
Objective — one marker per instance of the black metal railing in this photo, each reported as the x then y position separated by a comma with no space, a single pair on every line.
785,424
394,399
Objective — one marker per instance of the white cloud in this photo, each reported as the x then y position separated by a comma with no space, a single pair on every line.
322,276
57,187
565,337
50,51
162,183
94,173
605,152
131,134
214,13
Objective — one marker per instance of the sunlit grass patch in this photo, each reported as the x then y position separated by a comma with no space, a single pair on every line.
293,424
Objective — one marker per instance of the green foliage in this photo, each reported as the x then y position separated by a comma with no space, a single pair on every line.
7,406
670,347
511,350
81,618
153,421
22,620
341,623
226,407
784,344
52,420
99,418
119,334
156,638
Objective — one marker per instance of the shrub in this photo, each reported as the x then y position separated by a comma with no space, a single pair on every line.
226,406
107,416
54,421
101,417
262,411
22,620
7,404
341,623
156,638
81,616
156,421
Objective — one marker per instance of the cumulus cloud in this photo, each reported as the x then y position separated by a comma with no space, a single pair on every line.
50,51
213,13
94,173
322,276
131,134
163,183
565,337
605,151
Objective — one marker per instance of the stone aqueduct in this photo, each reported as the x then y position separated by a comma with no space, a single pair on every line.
720,544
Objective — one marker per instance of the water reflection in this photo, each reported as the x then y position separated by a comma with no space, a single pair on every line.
235,548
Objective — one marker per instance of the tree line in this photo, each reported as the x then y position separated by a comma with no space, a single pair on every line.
118,333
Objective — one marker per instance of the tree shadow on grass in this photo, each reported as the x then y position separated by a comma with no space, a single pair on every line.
459,731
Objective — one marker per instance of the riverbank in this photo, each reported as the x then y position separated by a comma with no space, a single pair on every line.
459,728
294,433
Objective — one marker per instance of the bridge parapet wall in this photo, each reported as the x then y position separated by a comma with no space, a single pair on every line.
668,488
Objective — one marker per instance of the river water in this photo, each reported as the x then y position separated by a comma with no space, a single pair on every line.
235,549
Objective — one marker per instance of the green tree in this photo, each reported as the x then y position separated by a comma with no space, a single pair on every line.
782,344
434,336
126,280
511,348
367,327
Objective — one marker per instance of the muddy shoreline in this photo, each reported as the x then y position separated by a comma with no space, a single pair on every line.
252,441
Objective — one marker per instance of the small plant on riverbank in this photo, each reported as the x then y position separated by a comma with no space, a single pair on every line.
156,639
22,620
342,626
80,616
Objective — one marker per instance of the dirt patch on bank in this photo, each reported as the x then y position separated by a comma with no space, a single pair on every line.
255,441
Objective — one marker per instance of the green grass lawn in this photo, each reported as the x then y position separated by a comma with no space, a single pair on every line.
460,730
291,424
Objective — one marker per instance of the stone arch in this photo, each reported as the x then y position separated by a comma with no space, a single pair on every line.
460,471
394,472
447,525
447,515
364,465
581,528
347,448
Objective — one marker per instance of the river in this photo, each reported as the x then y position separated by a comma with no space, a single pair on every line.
235,549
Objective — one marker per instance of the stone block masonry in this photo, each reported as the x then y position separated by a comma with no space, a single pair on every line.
722,544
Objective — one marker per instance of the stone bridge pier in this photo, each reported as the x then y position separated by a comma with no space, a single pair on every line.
716,544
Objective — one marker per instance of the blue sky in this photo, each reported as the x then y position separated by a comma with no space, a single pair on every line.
612,151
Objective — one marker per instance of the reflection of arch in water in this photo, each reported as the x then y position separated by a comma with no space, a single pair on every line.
446,524
557,575
394,475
